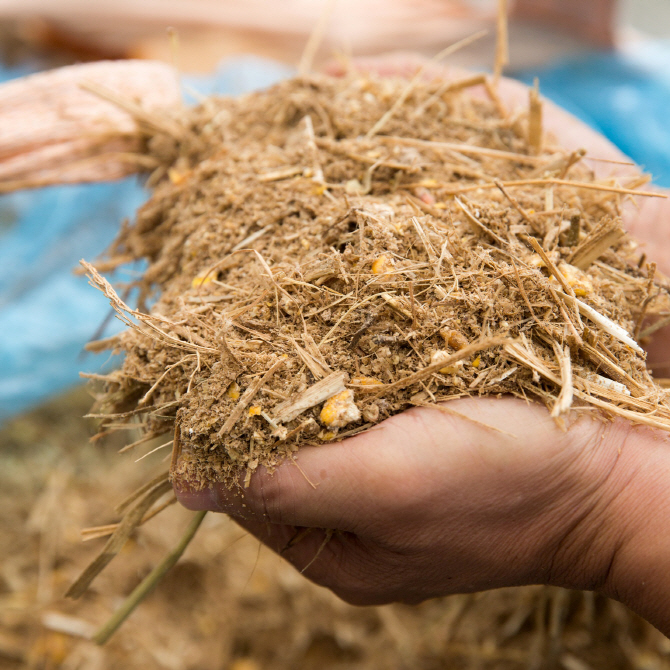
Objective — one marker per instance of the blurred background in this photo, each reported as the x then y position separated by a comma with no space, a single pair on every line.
231,604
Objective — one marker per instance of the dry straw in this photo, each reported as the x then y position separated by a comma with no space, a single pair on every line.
310,278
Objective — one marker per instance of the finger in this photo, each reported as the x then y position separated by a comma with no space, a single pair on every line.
391,469
337,561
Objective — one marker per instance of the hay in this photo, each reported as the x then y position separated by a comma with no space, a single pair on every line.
310,278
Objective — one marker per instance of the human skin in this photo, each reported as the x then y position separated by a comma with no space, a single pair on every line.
593,20
431,503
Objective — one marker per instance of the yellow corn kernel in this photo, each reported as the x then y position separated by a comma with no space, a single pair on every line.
578,280
318,189
440,205
477,362
340,410
53,648
202,279
327,435
244,664
429,183
382,266
305,244
354,187
233,391
254,410
365,381
439,356
175,176
454,338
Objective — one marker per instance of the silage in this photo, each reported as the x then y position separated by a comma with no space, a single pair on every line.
321,257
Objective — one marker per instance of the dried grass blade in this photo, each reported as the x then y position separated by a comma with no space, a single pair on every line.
314,366
146,325
148,584
612,369
478,224
475,347
311,396
138,493
463,148
535,119
118,539
564,400
152,120
397,305
614,329
416,78
591,186
450,87
502,41
605,235
550,265
97,532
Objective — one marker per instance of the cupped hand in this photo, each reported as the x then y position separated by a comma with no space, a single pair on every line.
431,503
485,494
490,494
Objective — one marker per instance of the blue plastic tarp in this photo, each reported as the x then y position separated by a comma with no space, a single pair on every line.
47,313
625,96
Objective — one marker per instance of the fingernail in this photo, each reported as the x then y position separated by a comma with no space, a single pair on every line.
209,499
196,500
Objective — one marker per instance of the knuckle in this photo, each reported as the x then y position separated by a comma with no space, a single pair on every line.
263,496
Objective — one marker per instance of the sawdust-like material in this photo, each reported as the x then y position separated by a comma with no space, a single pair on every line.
293,254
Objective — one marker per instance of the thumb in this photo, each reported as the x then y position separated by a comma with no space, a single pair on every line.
396,467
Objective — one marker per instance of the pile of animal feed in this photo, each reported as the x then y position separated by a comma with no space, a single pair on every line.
331,251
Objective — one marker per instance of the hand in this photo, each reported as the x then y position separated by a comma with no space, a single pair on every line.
52,131
494,494
430,504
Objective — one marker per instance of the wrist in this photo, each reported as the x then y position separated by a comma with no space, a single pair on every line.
616,538
639,575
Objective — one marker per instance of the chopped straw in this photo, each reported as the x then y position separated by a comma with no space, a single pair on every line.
309,277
